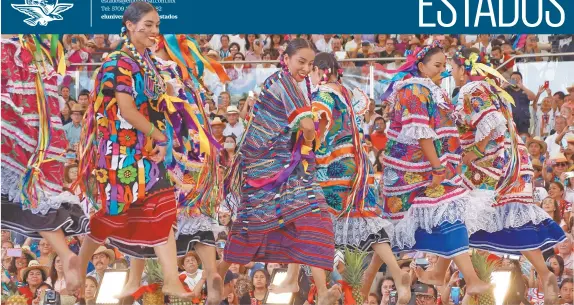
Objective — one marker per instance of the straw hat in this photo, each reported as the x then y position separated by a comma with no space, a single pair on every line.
537,164
190,253
216,121
559,157
571,88
232,109
109,252
77,108
213,53
539,141
34,265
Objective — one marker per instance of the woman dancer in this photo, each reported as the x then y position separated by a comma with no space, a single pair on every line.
421,185
283,217
137,200
345,174
190,166
496,162
33,143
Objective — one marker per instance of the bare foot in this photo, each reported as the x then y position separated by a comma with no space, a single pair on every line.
404,288
177,290
72,273
285,287
550,289
128,290
477,288
214,289
368,278
429,277
331,296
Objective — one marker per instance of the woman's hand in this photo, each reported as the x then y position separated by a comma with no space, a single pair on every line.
158,153
468,158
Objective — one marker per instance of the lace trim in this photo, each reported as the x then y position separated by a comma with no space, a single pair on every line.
354,231
510,215
294,125
191,224
465,209
412,133
46,200
493,124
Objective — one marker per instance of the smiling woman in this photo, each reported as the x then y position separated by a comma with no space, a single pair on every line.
137,198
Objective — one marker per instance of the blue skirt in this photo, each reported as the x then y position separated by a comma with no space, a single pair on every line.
446,240
514,240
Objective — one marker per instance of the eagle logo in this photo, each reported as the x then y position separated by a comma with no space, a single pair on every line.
42,11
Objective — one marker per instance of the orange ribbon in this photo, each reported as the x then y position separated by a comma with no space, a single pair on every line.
347,293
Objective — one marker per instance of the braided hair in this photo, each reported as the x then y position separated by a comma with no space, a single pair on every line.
327,63
292,48
134,13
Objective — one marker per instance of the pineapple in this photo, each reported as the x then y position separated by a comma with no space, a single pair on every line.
354,270
484,270
154,276
14,298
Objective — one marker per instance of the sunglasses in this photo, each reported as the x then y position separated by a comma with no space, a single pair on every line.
561,164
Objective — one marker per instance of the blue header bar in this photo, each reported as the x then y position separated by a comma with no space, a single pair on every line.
297,16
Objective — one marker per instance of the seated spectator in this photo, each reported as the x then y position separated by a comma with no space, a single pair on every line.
378,136
565,251
233,126
90,290
193,274
260,281
550,206
56,278
46,252
217,127
566,292
537,149
102,259
74,128
557,165
556,192
556,263
66,114
33,276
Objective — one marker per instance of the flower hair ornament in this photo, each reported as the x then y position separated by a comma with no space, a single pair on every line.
409,68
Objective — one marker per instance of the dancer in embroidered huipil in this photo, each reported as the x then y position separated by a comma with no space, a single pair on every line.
496,163
33,143
124,137
421,185
282,217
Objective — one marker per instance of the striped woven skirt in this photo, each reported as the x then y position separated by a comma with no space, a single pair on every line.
306,240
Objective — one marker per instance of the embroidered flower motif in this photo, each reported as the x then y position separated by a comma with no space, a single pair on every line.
334,200
395,204
336,169
127,174
102,175
127,137
476,177
435,192
103,133
412,178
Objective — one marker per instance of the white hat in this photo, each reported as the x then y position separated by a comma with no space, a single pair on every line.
232,109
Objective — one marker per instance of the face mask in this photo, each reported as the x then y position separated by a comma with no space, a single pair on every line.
228,145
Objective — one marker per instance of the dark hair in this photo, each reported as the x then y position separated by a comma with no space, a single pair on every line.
29,257
267,276
234,44
83,93
376,296
466,53
497,48
378,165
517,73
135,12
434,291
558,184
565,281
43,284
222,235
272,46
378,118
560,94
430,54
325,62
560,261
53,273
93,279
239,53
247,45
297,44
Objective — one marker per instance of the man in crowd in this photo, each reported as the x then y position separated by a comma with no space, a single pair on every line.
566,291
234,127
522,97
102,259
217,127
84,99
74,128
565,251
378,136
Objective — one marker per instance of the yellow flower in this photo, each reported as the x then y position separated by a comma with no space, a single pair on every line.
103,121
473,58
102,175
412,178
395,204
435,192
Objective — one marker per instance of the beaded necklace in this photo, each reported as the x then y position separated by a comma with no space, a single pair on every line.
154,84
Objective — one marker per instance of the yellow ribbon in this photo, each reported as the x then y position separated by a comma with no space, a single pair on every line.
206,63
480,69
204,146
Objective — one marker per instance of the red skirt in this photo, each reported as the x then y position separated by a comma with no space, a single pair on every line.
145,224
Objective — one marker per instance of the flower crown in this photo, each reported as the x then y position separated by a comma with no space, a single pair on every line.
470,62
